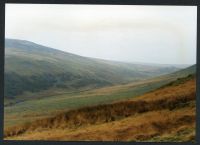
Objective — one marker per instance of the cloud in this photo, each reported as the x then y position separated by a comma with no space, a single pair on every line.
158,34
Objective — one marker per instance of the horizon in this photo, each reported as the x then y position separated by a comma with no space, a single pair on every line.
135,62
110,32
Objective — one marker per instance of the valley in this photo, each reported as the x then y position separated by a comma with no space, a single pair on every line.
166,114
33,68
56,95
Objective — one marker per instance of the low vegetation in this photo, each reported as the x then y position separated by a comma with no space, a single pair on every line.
40,107
166,114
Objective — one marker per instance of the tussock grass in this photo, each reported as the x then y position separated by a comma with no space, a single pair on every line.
153,125
103,114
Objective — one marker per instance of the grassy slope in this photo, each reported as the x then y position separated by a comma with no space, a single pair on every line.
31,67
166,114
46,106
31,109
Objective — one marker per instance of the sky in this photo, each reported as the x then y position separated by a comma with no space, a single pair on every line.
129,33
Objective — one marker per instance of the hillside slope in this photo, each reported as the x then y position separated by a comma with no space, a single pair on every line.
44,104
180,73
30,67
166,114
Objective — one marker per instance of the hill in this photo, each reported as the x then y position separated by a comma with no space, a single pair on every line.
42,83
165,114
181,73
30,67
37,104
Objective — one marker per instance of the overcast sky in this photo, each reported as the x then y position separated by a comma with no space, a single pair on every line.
151,34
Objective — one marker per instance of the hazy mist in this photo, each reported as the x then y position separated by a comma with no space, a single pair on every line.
151,34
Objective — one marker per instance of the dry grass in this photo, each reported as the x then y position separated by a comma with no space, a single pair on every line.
135,128
156,114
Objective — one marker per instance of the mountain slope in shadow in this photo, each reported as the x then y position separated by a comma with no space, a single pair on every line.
30,67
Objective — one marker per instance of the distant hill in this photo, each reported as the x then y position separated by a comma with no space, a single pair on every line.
185,71
30,67
191,70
